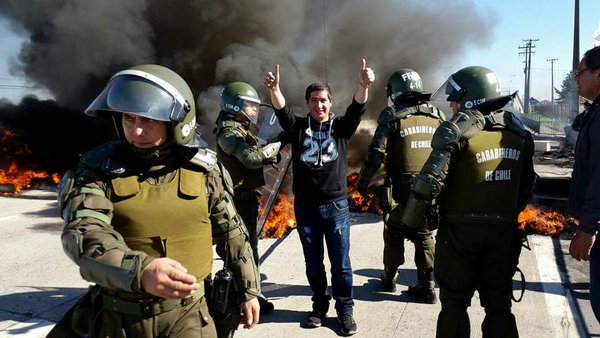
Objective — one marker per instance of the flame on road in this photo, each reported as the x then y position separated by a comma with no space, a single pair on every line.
15,176
281,219
546,222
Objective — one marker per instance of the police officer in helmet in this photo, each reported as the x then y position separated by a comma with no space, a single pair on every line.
240,153
402,141
141,215
481,172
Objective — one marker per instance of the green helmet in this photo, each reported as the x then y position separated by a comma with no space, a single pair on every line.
241,100
402,83
155,92
472,86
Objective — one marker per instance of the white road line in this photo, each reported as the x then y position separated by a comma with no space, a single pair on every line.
7,217
558,298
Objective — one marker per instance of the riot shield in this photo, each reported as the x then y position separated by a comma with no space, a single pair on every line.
275,173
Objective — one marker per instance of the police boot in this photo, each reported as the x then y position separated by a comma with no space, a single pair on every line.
424,290
388,283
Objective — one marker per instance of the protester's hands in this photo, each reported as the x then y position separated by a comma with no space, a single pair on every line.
365,76
271,79
251,309
167,278
581,245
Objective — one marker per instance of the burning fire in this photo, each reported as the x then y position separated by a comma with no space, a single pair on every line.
281,219
21,179
358,201
15,177
544,221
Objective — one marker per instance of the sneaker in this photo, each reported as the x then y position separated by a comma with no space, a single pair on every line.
387,284
348,324
265,305
315,318
423,293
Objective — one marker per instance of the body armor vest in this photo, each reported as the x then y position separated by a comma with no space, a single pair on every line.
242,177
409,145
485,177
166,220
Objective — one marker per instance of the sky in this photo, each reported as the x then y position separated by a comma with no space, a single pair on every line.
549,21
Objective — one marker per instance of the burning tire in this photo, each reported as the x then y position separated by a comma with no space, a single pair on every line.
7,188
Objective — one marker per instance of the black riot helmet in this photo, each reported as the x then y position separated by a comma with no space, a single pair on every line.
471,86
405,84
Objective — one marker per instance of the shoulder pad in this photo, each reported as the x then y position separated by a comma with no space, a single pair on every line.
505,120
230,126
469,122
65,187
386,115
227,181
426,109
205,158
109,158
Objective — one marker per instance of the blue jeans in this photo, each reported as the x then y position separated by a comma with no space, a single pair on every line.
332,222
595,278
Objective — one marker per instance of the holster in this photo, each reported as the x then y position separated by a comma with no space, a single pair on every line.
233,301
77,321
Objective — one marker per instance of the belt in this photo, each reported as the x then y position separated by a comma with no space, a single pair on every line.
147,307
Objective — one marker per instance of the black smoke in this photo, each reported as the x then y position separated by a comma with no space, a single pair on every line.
73,47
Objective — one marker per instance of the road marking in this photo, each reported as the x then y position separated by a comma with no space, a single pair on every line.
558,298
7,217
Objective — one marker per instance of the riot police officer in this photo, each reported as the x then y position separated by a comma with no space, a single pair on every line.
481,167
402,141
141,215
240,153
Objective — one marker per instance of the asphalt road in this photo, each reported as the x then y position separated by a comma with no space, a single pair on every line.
38,283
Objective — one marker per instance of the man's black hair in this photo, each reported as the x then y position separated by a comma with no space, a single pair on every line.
592,58
315,87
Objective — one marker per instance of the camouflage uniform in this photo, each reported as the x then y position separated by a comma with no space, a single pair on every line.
125,206
119,216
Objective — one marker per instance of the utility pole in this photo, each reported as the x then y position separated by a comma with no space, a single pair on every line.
575,103
529,46
552,80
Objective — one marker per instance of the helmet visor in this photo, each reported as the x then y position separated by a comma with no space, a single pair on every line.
440,99
249,107
453,90
128,93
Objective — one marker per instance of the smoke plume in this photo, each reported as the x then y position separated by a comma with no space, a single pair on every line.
73,47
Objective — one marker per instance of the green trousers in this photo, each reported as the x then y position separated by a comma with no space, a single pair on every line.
393,251
87,318
480,257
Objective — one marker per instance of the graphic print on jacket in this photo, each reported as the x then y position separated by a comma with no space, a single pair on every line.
319,146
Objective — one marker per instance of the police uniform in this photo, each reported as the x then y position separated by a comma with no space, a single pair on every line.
489,167
403,141
239,152
120,213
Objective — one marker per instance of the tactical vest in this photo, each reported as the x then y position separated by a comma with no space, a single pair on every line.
170,219
485,177
242,177
409,145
